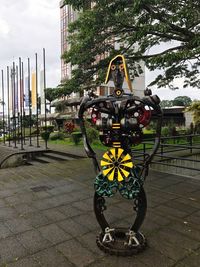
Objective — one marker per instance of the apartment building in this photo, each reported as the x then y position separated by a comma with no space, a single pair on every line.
68,15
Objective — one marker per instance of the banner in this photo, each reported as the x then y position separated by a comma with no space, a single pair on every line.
33,93
26,94
42,94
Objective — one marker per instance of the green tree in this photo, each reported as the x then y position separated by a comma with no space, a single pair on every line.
182,101
166,103
174,23
51,94
195,109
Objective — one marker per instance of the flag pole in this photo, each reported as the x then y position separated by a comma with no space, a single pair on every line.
29,103
8,95
14,95
45,104
21,101
3,104
37,124
23,109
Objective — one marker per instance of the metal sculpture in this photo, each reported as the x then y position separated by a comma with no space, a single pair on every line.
120,118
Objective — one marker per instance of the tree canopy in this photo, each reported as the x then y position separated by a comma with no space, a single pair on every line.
177,101
195,109
137,27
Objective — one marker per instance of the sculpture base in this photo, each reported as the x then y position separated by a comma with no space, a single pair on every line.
123,243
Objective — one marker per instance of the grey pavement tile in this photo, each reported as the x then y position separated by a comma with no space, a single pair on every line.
170,211
73,228
88,220
166,248
187,229
26,262
33,241
177,239
180,206
27,197
7,213
51,258
111,261
2,203
23,209
193,260
89,241
11,249
18,225
36,219
84,205
54,234
54,214
181,188
69,211
4,231
153,258
76,253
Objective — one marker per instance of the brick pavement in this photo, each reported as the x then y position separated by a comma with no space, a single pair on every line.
56,227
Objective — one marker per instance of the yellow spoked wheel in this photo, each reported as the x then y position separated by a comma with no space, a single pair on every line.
116,164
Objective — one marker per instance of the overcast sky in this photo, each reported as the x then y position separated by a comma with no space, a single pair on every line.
26,26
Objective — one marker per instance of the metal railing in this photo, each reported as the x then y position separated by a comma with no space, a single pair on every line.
180,148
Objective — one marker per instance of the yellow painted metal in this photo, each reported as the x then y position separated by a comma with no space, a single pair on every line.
116,164
125,71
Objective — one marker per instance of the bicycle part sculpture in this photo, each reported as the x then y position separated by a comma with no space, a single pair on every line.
120,118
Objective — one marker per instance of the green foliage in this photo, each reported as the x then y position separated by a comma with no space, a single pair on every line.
92,134
149,23
60,106
48,128
76,137
57,136
45,136
182,101
195,109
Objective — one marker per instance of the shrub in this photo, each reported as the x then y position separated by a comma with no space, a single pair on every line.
76,137
48,128
45,136
92,134
57,136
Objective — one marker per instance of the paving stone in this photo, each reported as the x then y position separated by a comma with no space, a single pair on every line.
10,250
54,234
33,241
169,211
153,258
187,229
70,211
73,228
88,220
54,215
23,209
76,253
36,219
191,261
18,225
7,213
26,262
111,261
51,258
86,205
177,239
166,248
4,231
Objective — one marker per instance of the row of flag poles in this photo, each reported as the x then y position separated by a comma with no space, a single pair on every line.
21,87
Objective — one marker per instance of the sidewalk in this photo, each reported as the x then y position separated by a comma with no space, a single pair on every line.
47,219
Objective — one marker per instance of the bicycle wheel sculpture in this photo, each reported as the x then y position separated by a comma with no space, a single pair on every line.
120,118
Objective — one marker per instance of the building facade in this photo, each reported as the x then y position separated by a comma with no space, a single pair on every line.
68,15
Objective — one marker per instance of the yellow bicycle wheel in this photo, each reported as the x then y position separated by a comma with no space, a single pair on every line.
116,164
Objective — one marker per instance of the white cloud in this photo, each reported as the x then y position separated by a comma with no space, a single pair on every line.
26,27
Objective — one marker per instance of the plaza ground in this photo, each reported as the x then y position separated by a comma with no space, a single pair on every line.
47,219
